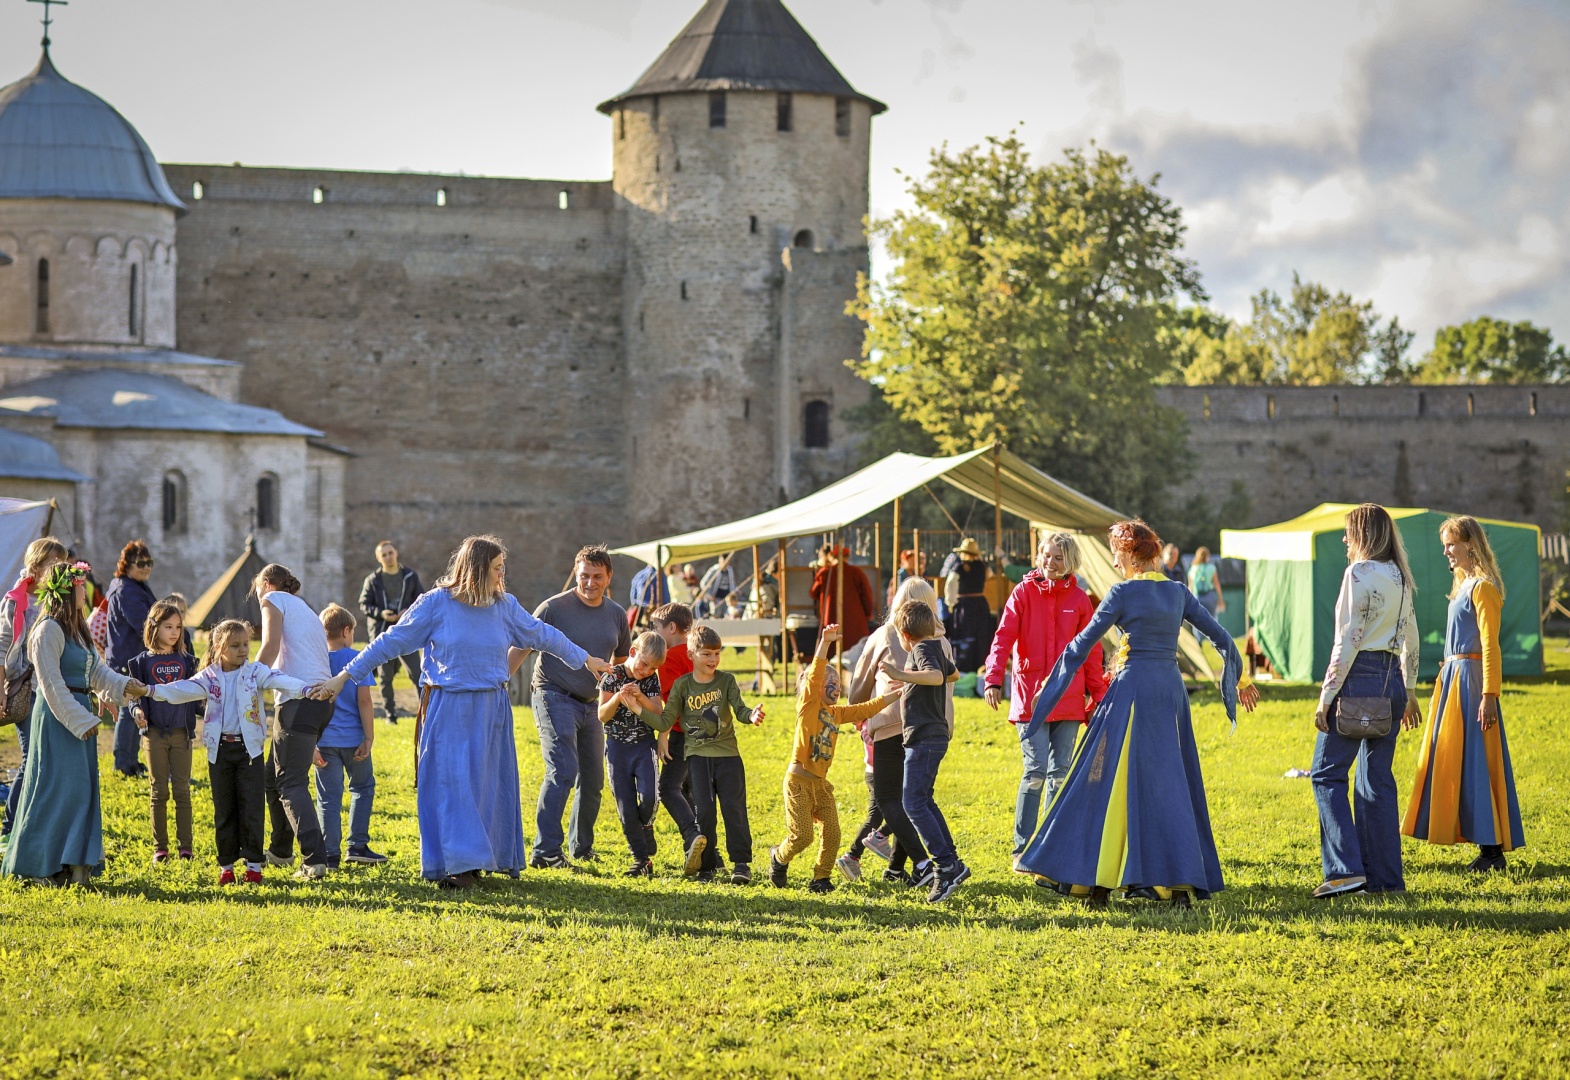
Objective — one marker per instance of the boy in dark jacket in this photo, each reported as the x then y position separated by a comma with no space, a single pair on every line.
388,592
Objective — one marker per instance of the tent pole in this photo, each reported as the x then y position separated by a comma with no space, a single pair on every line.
841,557
757,587
894,573
997,502
785,641
49,521
915,542
877,552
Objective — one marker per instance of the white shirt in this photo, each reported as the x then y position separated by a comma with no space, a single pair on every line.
1374,613
302,651
231,701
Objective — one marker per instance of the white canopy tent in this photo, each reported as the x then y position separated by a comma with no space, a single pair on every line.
21,522
990,473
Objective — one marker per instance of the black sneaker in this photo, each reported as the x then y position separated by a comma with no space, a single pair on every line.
549,862
777,870
649,842
946,882
898,877
741,874
332,862
366,857
925,875
640,868
588,856
705,876
820,885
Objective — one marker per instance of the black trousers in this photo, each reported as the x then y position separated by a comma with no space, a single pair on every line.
876,819
388,671
676,792
719,786
290,801
239,799
888,788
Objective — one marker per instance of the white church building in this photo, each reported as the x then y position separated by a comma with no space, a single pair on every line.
99,410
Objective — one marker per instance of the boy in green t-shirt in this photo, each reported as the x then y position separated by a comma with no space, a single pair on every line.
708,701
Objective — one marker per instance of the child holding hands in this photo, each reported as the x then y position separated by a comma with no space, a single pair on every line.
809,797
231,684
167,730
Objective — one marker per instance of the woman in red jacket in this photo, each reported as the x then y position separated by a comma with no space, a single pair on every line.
1043,614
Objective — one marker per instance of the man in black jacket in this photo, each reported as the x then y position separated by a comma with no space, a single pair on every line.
388,592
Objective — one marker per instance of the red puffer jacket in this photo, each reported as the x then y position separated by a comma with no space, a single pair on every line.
1041,617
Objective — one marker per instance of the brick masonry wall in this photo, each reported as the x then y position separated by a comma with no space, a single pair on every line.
1491,451
469,355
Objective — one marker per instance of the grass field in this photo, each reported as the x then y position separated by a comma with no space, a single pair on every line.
374,973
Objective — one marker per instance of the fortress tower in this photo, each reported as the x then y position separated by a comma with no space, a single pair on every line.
740,165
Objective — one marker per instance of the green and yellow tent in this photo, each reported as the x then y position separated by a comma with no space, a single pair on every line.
1295,569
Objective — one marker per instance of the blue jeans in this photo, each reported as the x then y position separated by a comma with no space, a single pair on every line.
1047,756
635,788
15,795
329,797
127,741
921,776
572,741
1370,845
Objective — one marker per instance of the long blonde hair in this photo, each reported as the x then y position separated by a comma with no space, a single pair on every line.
1374,537
915,588
468,576
1468,530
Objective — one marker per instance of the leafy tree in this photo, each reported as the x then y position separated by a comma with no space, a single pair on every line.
1313,337
1035,304
1489,350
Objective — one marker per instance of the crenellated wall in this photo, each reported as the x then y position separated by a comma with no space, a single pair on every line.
1491,451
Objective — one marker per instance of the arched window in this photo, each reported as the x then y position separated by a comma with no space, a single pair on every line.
41,325
803,239
174,502
815,425
267,501
130,317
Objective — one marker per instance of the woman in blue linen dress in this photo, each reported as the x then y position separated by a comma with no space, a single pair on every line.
470,627
58,838
1131,813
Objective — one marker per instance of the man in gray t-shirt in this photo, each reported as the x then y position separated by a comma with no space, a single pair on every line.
566,709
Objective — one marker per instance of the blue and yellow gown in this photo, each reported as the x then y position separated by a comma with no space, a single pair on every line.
1131,814
1465,789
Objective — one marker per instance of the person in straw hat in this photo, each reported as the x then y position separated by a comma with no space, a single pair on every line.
971,622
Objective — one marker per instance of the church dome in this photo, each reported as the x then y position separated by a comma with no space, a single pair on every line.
60,141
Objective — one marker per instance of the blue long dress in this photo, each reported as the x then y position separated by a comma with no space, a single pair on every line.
59,820
1131,812
470,812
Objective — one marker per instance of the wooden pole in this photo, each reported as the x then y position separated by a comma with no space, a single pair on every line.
49,521
997,502
840,559
877,555
785,642
896,539
915,543
757,587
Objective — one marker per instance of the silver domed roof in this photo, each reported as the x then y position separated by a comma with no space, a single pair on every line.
59,141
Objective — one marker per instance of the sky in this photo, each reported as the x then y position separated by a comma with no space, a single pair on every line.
1411,152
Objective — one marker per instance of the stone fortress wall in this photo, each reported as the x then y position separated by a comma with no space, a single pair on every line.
1490,451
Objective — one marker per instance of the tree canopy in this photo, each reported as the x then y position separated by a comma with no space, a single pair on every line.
1036,304
1489,350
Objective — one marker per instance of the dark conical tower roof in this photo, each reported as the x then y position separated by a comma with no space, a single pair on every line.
742,45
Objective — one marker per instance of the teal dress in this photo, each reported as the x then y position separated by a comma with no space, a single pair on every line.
59,823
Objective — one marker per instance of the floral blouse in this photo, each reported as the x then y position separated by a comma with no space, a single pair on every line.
1374,613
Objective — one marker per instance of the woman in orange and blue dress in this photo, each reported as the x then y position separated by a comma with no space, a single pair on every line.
1131,814
1465,789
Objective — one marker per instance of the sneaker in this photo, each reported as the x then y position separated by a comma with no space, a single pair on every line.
160,856
311,872
541,861
588,856
944,884
640,868
1340,886
820,885
777,869
278,860
649,843
705,876
334,862
879,845
253,877
925,875
226,876
187,854
695,855
364,856
741,874
849,866
898,877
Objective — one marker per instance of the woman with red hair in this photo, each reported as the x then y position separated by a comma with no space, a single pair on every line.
1131,813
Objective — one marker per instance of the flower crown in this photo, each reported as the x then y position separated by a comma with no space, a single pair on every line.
62,581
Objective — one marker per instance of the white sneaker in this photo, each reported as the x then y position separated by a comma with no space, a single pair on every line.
311,872
273,860
1340,887
850,867
879,845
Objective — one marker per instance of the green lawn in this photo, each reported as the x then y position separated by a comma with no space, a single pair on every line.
373,973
